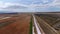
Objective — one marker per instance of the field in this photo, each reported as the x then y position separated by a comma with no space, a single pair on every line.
15,23
32,23
48,23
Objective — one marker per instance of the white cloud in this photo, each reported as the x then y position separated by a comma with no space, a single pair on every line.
31,7
44,1
54,3
4,6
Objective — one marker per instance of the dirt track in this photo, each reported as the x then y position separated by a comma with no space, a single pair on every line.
19,26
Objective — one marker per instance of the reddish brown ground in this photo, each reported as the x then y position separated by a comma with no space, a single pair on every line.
20,26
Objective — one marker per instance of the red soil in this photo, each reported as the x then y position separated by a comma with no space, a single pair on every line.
20,26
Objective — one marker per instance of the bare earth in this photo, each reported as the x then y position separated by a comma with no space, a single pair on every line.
20,25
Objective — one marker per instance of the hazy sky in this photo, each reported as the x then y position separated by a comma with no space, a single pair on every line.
29,5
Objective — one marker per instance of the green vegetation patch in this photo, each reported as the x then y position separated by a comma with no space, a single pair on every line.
30,26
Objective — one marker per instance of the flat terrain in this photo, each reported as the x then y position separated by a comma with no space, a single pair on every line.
18,24
50,23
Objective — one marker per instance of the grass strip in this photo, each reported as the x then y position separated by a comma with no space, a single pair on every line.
30,26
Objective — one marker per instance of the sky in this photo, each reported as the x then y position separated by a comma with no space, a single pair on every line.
29,5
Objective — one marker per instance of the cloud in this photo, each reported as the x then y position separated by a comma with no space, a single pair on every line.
47,7
7,6
31,5
15,7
